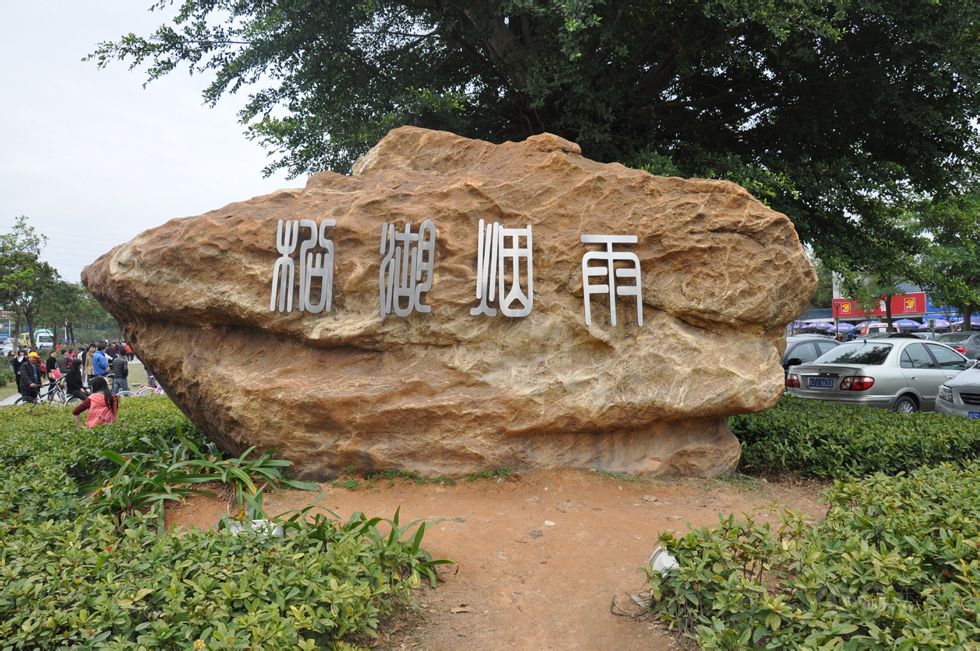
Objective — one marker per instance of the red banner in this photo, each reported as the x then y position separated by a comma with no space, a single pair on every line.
902,305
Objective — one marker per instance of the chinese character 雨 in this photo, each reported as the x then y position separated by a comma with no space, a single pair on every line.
312,266
500,250
607,273
407,264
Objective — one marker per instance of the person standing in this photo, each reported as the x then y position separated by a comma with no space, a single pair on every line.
100,363
51,363
87,371
17,362
120,372
29,378
51,369
64,360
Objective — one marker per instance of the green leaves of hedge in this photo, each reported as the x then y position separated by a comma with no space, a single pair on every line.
79,571
894,565
834,441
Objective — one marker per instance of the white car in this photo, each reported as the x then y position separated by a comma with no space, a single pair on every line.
7,346
960,396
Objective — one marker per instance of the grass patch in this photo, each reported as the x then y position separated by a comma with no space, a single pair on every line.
833,441
495,474
393,474
894,565
618,476
84,561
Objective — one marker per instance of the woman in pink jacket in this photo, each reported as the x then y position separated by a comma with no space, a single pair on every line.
102,406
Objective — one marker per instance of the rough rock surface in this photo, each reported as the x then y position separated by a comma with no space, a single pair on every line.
451,393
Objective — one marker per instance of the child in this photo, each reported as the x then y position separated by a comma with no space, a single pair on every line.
102,406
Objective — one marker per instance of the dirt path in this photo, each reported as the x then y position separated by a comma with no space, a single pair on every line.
540,555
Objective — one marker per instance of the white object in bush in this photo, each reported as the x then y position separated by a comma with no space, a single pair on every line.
662,561
262,526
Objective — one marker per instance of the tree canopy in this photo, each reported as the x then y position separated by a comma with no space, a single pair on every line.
24,278
36,295
949,266
831,111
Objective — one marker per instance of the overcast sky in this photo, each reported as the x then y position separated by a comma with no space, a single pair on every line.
90,156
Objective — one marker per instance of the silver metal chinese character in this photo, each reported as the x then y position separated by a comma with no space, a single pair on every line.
283,273
319,265
311,266
308,244
611,273
407,266
487,243
496,247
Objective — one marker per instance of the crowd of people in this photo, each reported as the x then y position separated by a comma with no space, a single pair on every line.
86,372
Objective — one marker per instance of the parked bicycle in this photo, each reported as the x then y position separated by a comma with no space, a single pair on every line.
141,390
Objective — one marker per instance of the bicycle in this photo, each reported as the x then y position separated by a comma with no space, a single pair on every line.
141,390
57,393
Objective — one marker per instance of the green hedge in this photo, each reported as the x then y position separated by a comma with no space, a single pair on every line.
72,576
894,565
829,440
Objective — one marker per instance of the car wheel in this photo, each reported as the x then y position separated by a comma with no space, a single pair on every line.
906,405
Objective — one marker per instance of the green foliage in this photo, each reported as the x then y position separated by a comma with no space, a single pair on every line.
894,565
83,570
828,440
798,101
25,280
949,267
411,476
495,473
72,302
6,375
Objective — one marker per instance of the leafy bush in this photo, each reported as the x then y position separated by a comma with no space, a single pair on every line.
6,375
78,570
829,440
894,565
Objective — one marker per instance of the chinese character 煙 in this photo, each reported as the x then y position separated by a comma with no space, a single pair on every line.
501,253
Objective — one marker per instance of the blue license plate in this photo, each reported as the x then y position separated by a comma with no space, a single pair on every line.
975,414
820,383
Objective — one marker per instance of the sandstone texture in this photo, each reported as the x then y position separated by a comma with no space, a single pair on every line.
447,392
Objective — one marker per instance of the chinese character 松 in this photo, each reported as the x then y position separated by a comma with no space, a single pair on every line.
611,273
494,259
313,266
407,265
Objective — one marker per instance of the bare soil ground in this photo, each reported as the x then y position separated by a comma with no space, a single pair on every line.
541,555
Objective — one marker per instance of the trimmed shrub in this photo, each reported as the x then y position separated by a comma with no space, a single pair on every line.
835,441
894,565
84,570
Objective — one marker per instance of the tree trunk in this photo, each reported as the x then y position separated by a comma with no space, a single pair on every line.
967,314
888,312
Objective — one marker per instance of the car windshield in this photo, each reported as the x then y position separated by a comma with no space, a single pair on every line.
955,336
864,353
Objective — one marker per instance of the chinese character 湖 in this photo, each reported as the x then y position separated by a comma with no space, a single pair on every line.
407,265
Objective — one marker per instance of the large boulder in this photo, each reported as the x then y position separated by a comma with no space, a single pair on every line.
447,392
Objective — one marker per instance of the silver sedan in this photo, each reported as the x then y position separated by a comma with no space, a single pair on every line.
961,395
900,374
